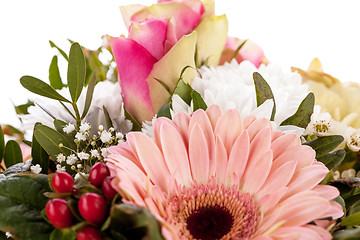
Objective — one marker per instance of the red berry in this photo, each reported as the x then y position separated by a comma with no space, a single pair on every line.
98,172
89,233
108,190
58,212
92,208
62,182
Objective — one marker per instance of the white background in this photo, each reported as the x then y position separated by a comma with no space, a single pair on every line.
291,33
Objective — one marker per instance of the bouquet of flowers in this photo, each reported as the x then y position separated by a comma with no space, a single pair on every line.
183,132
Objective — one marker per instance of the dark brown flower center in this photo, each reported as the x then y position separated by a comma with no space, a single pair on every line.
209,223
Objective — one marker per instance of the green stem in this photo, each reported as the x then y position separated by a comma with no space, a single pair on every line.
77,113
67,109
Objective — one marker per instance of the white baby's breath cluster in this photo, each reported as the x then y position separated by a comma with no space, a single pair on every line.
90,148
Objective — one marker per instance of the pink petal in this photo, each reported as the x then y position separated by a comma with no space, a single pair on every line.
213,112
256,126
175,154
134,64
156,130
260,160
221,160
238,158
327,191
199,155
201,119
182,120
151,35
284,142
325,235
280,177
296,232
151,158
270,200
226,130
249,51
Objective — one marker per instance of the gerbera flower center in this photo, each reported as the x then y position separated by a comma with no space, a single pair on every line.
212,211
209,223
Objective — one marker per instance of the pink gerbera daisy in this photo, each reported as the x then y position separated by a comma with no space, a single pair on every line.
213,175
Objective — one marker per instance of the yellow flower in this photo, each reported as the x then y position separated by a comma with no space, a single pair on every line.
341,100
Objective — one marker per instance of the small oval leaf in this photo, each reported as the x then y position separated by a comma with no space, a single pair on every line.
198,101
302,116
89,95
323,145
54,74
263,92
41,88
164,111
76,71
12,153
39,155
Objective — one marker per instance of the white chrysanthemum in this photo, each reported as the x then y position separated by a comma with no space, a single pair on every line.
105,94
232,86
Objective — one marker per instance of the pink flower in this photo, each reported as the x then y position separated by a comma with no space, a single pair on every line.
213,175
249,51
162,42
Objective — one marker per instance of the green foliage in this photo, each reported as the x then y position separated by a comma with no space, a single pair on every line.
12,153
23,108
108,121
21,201
41,88
164,111
62,234
136,126
54,74
76,71
50,140
184,91
302,116
198,101
2,143
238,49
131,222
350,234
39,155
60,50
263,92
89,95
323,146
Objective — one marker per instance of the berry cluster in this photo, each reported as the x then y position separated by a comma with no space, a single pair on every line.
92,206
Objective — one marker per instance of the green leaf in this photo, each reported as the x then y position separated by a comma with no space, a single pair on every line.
108,121
302,116
134,222
184,91
54,74
238,49
60,50
198,101
76,71
23,108
355,208
323,145
333,159
136,125
351,220
41,88
50,140
351,234
2,143
164,111
39,155
21,202
62,234
263,92
89,95
59,125
12,153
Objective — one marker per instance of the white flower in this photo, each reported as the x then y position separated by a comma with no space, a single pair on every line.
232,86
105,94
59,168
353,142
69,128
94,153
350,173
321,123
60,158
36,169
79,166
104,152
71,160
80,136
101,127
105,136
83,155
119,135
84,127
8,234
